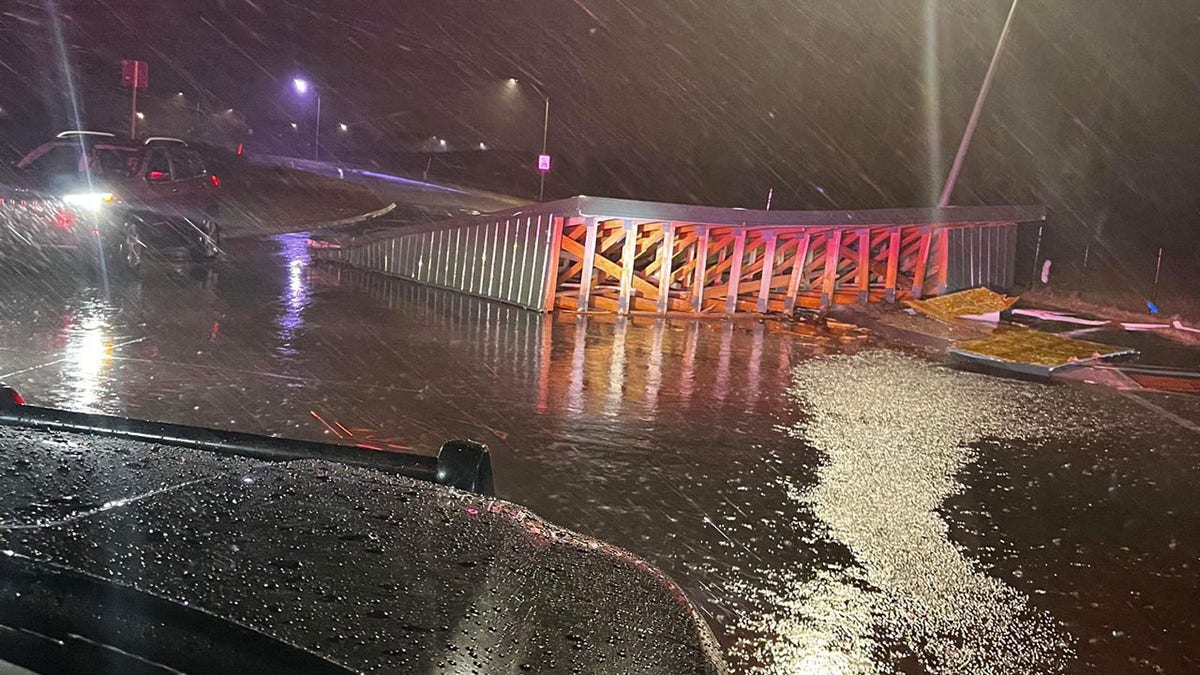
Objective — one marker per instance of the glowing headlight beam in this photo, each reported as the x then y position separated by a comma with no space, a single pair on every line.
91,201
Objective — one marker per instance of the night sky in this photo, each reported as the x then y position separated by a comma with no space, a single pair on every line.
847,103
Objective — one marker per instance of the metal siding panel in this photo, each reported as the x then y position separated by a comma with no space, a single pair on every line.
969,260
993,244
529,258
439,257
501,267
419,257
431,263
507,259
487,256
426,255
455,262
468,259
487,244
520,259
480,258
496,277
477,258
985,255
1009,261
431,259
464,257
541,260
966,264
521,274
496,262
414,254
955,243
448,260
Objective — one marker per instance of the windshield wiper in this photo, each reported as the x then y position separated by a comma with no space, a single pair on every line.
465,465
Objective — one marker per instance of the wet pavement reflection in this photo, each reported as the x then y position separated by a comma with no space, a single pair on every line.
832,506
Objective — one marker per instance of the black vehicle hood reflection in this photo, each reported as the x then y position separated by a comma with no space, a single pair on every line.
55,619
374,571
58,185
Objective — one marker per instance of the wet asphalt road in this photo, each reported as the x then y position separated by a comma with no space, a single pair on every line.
833,506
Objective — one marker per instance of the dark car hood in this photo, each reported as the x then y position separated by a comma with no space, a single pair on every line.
373,570
18,187
56,184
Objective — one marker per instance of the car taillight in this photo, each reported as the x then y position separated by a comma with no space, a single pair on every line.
215,180
64,219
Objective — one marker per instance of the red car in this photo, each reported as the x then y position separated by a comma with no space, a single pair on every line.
98,194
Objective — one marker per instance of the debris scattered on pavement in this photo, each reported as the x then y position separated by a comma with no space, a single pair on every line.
1034,352
976,303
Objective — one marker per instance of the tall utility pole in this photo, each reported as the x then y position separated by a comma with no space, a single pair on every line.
317,133
974,121
302,87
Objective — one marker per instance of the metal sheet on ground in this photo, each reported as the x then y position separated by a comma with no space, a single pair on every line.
1034,352
964,303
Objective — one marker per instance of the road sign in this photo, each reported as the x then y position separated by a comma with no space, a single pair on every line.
544,163
135,74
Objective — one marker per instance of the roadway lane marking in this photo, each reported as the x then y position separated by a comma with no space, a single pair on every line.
1186,424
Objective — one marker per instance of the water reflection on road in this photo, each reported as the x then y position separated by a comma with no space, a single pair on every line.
297,293
797,482
890,468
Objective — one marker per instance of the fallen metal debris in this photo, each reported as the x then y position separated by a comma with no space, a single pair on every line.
983,303
1032,352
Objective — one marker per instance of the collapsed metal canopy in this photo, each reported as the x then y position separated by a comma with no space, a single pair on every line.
603,254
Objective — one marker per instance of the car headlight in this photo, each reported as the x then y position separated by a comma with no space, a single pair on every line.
91,201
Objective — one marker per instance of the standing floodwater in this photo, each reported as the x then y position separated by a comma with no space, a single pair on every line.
833,506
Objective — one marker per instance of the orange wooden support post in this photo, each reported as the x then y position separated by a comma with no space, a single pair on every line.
833,257
628,254
864,265
768,269
893,265
918,286
666,253
735,271
553,259
701,271
943,260
589,265
798,265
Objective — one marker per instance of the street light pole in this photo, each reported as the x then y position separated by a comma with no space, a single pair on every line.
545,136
317,133
974,121
302,87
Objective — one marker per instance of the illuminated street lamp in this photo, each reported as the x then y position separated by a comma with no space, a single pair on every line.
342,126
302,87
513,83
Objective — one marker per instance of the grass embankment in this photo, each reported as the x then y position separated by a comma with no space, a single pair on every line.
269,200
